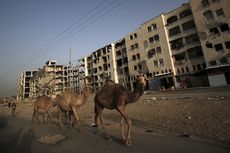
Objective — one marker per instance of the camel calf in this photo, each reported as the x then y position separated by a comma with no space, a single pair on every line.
44,103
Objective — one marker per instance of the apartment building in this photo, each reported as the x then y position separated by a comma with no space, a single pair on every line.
155,52
23,84
51,79
185,47
100,66
212,19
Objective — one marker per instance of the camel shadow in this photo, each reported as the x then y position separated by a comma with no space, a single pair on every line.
17,146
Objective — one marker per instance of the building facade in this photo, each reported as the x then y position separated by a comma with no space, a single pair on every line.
212,19
50,80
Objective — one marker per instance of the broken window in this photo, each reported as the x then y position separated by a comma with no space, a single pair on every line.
174,31
195,52
199,67
191,39
119,62
139,66
118,53
161,62
134,57
227,44
209,45
152,27
135,67
208,15
138,56
188,25
151,40
151,53
204,65
205,3
185,13
220,13
171,19
218,47
224,27
158,49
177,44
180,57
214,30
125,60
156,38
187,69
212,63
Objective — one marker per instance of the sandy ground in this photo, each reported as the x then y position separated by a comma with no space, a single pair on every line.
203,113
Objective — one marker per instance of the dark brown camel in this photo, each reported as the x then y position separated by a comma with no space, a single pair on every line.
115,96
70,102
44,103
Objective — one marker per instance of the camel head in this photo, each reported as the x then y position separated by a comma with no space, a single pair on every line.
141,80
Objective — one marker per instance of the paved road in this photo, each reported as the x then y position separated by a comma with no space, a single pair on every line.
20,136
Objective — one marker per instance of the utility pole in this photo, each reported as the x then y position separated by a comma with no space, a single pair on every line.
70,75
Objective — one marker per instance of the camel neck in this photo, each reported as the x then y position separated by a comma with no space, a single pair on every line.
135,94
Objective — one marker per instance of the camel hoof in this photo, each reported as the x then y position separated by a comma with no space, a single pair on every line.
128,143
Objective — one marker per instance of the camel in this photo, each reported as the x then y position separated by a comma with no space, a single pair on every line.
44,103
70,102
115,96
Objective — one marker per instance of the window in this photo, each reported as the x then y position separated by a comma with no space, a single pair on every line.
194,67
218,47
174,31
182,70
205,3
212,63
151,40
185,13
140,66
134,57
220,13
135,67
180,57
188,25
178,70
152,27
177,43
161,62
138,56
158,49
214,30
187,69
195,52
208,15
151,53
156,38
227,44
131,37
224,27
171,19
191,39
204,65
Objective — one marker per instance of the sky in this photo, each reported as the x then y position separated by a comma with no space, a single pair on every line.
35,31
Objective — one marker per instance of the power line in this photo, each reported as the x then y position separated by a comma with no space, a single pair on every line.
56,40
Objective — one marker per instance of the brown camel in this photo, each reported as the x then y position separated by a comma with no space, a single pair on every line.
70,102
115,96
44,103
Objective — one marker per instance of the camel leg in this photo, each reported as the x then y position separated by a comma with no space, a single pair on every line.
59,117
77,118
102,124
49,116
34,114
122,128
121,110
